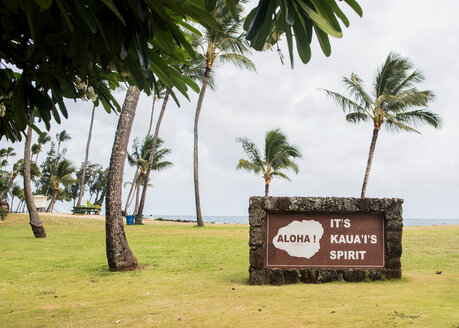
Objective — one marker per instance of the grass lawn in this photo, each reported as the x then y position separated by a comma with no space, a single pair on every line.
198,277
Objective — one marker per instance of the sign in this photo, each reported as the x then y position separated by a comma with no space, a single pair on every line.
325,240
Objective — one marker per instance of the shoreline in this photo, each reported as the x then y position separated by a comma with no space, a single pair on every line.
177,219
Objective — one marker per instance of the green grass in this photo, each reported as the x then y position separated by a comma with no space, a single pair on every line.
197,277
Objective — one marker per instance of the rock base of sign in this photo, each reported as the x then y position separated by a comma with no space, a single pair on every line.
391,208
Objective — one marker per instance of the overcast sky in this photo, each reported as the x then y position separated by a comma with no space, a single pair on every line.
421,169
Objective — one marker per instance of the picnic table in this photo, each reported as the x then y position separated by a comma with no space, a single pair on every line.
86,210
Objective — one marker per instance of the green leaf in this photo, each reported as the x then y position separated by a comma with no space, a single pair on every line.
338,11
326,11
354,5
260,17
321,21
323,40
265,30
289,12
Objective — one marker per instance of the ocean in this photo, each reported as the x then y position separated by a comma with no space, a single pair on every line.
218,219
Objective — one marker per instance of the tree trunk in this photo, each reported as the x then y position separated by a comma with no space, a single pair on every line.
139,216
80,196
12,201
152,113
34,219
100,200
119,255
19,205
195,149
130,191
266,189
370,160
53,200
137,196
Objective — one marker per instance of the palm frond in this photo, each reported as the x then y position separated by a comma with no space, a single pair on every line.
354,85
280,175
419,117
393,125
357,117
244,164
251,150
237,60
414,78
408,99
345,103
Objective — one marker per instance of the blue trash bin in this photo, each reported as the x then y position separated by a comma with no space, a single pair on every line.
129,219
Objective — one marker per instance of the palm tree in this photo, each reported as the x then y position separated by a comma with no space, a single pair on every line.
43,139
119,255
141,157
226,44
34,219
18,168
6,152
278,156
60,138
9,152
138,158
192,70
16,191
393,102
80,196
62,175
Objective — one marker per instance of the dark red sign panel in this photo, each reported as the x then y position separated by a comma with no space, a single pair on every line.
321,240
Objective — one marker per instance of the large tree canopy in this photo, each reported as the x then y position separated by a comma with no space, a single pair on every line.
52,49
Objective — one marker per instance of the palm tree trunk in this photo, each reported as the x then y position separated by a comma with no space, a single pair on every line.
34,219
195,148
266,189
19,205
137,197
53,200
370,160
80,196
130,191
100,200
152,112
53,167
139,216
119,255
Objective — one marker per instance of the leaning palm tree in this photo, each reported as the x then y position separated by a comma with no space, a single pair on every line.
193,71
225,44
394,102
18,168
62,175
34,219
60,138
279,155
138,158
